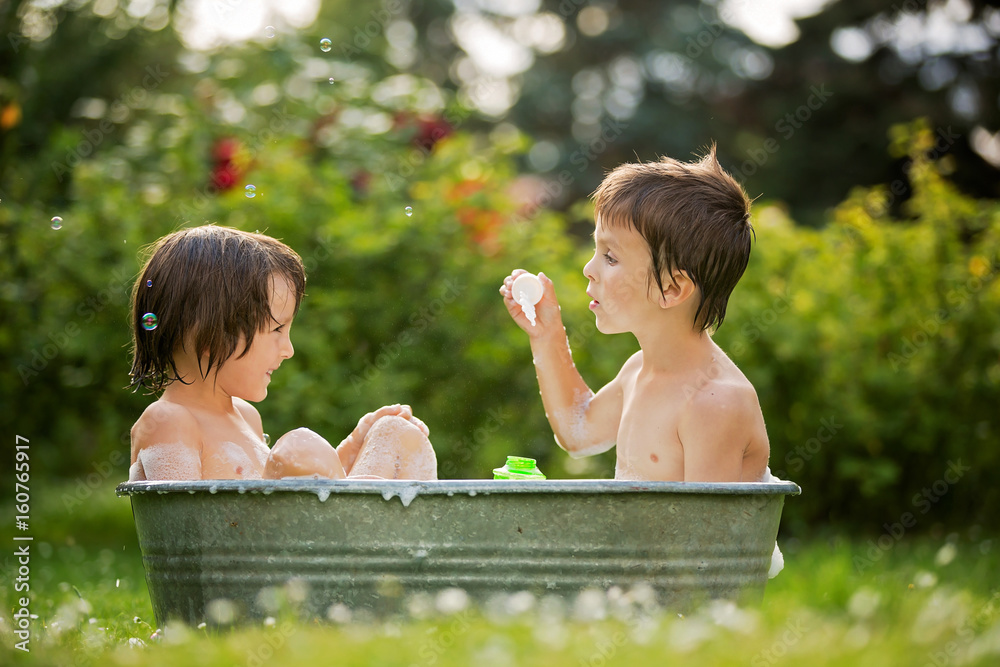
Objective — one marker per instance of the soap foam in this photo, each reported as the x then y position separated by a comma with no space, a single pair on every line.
777,562
170,461
136,473
574,421
528,309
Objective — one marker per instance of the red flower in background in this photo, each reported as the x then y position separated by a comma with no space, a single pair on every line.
230,161
427,130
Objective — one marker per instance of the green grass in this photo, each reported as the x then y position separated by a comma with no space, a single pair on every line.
924,601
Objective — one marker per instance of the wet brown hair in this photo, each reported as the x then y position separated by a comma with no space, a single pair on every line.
207,286
694,217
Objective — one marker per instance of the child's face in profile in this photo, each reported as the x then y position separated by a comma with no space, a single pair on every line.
618,274
247,377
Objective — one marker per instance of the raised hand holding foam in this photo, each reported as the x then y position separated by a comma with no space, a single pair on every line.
527,291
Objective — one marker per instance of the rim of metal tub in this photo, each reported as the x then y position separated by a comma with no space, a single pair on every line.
461,486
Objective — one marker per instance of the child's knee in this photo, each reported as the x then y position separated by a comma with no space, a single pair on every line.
302,453
397,441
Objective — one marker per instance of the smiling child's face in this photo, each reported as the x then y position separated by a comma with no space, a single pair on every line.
618,276
247,377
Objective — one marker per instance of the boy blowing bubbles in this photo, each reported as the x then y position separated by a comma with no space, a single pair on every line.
671,241
224,301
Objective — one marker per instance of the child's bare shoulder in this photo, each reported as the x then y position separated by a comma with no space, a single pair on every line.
165,422
250,414
723,406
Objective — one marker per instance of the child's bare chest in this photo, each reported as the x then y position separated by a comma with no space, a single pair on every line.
232,451
648,445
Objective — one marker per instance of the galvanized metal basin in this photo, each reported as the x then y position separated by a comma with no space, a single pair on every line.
369,544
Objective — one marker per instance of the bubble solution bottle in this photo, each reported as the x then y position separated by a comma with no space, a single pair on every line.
518,467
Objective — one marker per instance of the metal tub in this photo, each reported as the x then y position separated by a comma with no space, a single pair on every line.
370,544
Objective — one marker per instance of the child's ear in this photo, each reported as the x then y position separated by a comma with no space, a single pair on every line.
677,291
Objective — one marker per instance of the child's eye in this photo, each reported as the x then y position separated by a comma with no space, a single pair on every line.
279,328
611,260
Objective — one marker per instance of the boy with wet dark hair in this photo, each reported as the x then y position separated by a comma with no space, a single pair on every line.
672,239
211,315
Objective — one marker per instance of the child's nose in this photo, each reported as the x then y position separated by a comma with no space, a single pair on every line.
587,270
287,351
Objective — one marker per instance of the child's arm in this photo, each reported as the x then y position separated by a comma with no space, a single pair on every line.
167,443
583,422
714,431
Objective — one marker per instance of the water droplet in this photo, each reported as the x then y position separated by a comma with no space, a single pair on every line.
149,283
325,45
150,321
251,191
332,80
408,210
57,222
267,439
269,32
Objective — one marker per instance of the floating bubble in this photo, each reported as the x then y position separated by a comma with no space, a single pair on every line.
269,31
267,439
149,283
57,222
332,80
408,210
325,45
150,321
251,191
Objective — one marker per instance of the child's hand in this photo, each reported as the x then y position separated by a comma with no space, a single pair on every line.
348,450
548,319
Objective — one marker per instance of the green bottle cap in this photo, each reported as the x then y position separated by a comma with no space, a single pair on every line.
518,467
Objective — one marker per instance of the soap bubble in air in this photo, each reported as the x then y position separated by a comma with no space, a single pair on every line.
332,80
269,31
251,191
408,210
325,45
150,321
57,222
149,283
267,439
